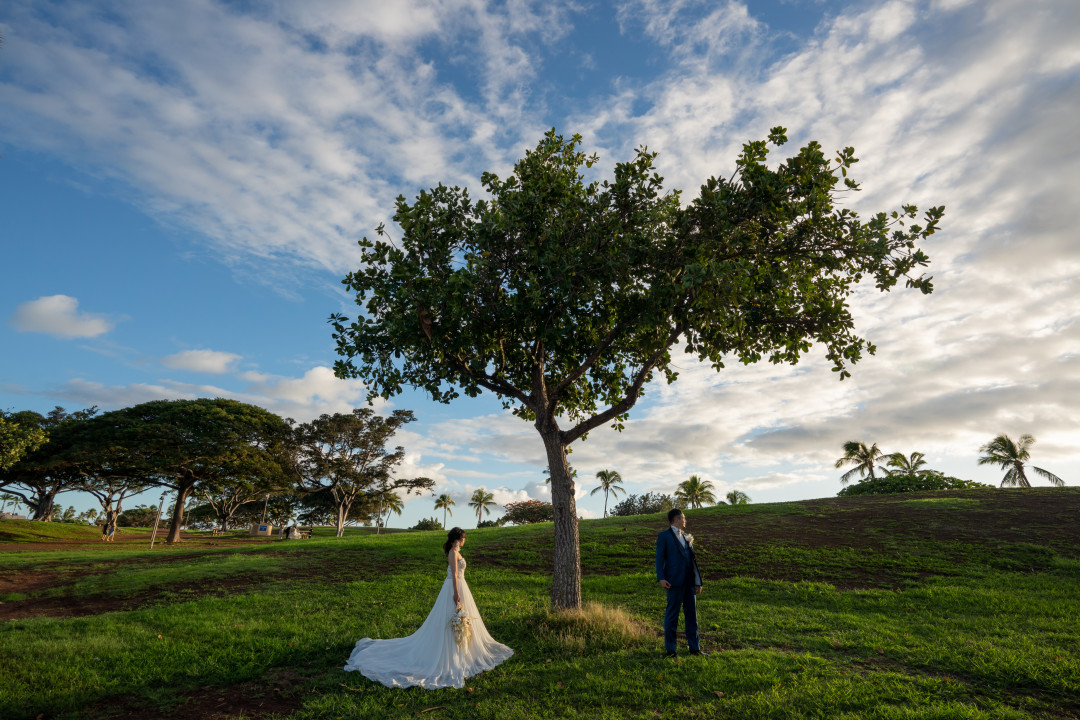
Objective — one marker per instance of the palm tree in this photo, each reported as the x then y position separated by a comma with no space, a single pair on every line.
610,482
481,499
695,492
1010,456
444,502
862,457
392,503
908,465
738,497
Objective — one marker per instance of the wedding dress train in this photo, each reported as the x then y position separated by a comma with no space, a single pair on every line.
431,657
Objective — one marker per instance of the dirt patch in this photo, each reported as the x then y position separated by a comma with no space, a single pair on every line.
280,691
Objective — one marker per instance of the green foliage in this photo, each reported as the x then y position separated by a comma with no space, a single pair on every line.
139,516
16,440
646,504
427,524
481,503
526,512
897,483
490,523
610,483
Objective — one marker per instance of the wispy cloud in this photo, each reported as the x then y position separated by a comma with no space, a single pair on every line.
213,362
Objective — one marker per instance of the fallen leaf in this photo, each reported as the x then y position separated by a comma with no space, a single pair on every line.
718,693
469,690
660,678
549,660
437,707
559,684
159,637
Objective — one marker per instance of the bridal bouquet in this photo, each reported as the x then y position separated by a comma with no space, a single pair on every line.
461,626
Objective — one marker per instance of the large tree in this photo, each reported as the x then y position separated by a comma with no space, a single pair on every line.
481,502
178,444
1011,456
565,297
344,457
41,474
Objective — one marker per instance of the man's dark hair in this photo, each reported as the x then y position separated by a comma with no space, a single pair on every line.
672,514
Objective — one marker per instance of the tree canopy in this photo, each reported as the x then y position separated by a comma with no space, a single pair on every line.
566,296
1011,456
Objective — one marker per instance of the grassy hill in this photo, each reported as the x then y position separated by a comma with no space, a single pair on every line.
940,605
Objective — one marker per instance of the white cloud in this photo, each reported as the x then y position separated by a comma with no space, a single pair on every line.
59,316
204,361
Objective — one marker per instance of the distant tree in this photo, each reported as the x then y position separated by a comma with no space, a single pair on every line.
344,457
490,523
445,502
527,512
1011,456
38,477
610,482
18,439
565,297
427,524
87,517
896,483
139,516
9,499
900,464
481,501
737,497
391,503
862,457
647,504
695,492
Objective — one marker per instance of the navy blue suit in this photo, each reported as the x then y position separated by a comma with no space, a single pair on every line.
678,565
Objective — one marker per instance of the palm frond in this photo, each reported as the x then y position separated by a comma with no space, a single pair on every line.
1054,479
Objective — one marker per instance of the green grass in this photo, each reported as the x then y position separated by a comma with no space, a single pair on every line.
14,531
852,608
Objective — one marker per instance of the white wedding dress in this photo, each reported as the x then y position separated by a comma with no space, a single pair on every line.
431,657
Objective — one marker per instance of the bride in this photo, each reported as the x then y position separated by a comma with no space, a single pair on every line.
451,645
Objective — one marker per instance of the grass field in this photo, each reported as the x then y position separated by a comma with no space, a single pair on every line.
948,605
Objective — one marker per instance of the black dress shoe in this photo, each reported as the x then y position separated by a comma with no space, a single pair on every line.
699,652
670,654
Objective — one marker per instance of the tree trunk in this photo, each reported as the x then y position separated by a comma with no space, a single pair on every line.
342,512
566,583
43,510
178,512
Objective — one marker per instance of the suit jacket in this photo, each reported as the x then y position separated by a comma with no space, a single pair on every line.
673,561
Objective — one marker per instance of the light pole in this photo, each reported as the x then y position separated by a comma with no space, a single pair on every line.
157,518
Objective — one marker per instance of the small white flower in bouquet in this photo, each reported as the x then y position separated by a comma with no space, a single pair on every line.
461,626
689,538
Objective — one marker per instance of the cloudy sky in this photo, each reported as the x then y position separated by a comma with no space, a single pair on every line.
183,184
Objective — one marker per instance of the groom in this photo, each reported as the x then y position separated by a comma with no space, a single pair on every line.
677,572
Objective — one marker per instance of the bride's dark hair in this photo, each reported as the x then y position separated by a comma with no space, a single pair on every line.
452,537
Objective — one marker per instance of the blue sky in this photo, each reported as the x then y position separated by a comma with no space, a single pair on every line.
182,186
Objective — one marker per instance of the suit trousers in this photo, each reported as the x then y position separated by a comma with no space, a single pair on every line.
681,598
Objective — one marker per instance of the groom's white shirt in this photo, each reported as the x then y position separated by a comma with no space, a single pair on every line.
679,536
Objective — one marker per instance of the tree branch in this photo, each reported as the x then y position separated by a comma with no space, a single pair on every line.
602,346
624,405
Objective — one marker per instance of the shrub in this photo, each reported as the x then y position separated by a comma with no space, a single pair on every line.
427,524
491,523
646,504
141,516
908,483
529,511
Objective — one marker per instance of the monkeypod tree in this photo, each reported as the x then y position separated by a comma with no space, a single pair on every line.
565,296
183,444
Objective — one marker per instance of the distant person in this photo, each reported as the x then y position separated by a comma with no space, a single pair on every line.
292,533
677,572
